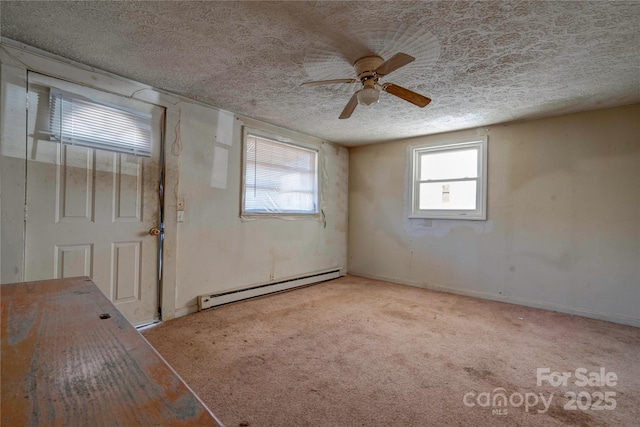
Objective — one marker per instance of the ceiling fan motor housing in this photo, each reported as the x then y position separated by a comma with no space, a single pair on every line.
365,67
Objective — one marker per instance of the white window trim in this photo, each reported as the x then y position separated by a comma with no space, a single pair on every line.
296,143
480,213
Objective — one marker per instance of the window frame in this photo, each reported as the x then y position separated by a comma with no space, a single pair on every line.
415,154
248,131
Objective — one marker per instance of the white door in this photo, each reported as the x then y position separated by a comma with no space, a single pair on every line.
90,211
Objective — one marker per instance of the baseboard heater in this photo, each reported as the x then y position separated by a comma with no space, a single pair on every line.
212,300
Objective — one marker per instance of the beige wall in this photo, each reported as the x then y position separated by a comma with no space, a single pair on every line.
563,228
217,251
12,172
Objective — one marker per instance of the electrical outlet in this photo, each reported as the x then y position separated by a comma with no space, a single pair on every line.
180,216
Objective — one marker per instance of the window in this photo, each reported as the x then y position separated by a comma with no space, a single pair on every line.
449,180
78,121
279,177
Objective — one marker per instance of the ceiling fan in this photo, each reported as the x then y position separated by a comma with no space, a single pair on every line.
369,70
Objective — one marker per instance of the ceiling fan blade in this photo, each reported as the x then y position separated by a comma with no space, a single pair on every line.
406,94
396,61
329,82
351,105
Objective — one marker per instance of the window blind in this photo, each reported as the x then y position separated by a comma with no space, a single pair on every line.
79,121
279,177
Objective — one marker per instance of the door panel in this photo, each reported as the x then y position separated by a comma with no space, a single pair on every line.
89,211
74,182
126,271
73,261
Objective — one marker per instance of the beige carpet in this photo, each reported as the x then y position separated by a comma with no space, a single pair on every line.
360,352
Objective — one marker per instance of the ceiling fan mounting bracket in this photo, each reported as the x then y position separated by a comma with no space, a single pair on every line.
366,66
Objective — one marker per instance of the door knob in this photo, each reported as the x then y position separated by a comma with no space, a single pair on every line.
154,231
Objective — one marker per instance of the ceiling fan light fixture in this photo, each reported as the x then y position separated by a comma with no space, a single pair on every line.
368,96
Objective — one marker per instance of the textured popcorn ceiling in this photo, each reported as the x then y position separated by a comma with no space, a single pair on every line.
481,62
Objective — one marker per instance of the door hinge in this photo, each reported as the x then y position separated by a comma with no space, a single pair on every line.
26,213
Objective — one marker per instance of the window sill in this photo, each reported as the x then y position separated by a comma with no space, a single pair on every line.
465,217
275,215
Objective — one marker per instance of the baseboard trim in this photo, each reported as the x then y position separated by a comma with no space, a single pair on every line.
508,299
190,309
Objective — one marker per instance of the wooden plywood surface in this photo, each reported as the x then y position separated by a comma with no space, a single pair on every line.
69,358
